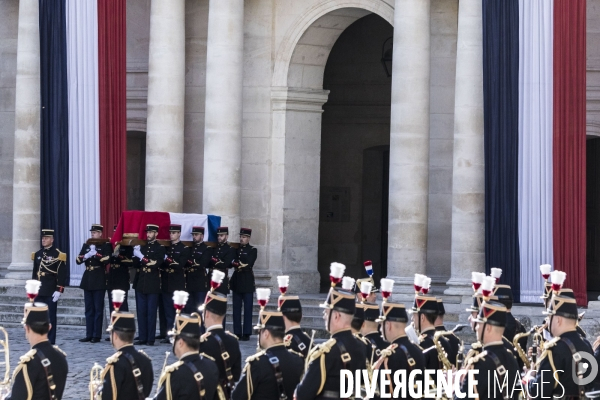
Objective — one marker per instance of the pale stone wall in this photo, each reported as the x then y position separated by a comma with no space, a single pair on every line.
9,15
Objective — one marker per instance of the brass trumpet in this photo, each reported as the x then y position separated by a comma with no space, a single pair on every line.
95,385
5,383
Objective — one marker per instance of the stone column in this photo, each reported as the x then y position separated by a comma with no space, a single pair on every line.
166,94
26,188
468,183
223,116
409,143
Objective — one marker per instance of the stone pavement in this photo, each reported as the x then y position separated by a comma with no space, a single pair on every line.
81,356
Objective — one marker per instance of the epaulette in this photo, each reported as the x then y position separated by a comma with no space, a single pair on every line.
59,350
231,334
25,358
204,337
478,357
388,351
287,340
321,349
551,343
62,256
33,256
255,357
114,358
296,353
170,368
145,354
204,355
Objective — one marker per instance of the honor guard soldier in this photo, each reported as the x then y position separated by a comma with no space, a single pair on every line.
222,257
128,373
93,282
149,258
370,331
401,353
242,285
424,313
195,376
343,351
42,371
173,273
452,341
274,372
49,267
295,338
118,273
220,344
564,357
498,373
196,272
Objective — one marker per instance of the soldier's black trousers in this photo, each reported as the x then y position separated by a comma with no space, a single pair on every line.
94,306
52,306
246,298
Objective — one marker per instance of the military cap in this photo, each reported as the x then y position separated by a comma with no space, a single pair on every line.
547,290
371,311
36,314
440,306
122,321
504,295
198,229
216,303
394,312
174,228
270,320
340,300
97,228
245,232
222,230
359,312
47,232
563,306
493,313
425,305
360,281
187,326
152,228
476,303
289,304
566,292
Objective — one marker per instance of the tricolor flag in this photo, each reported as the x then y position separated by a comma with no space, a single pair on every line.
534,68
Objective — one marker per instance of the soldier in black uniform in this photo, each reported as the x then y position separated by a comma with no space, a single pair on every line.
273,372
498,373
42,371
343,351
118,273
220,344
50,268
370,331
401,353
128,373
93,283
295,338
149,258
242,285
452,342
223,257
195,376
173,273
424,313
196,274
566,351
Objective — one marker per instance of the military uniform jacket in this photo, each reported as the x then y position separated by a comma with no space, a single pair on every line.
224,255
258,379
173,268
322,377
297,340
118,377
118,274
94,277
148,278
558,356
492,357
242,280
29,379
210,346
375,339
402,354
49,267
178,382
199,261
451,343
429,350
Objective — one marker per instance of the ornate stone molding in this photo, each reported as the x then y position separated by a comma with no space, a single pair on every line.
298,99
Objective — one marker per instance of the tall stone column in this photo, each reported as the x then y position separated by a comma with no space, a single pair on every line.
468,183
166,95
26,187
223,116
409,143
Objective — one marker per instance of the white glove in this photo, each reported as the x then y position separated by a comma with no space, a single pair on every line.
93,247
55,296
89,254
137,253
165,257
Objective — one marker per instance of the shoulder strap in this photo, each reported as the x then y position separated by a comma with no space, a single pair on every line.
226,361
409,358
198,378
48,371
501,371
344,355
299,342
274,361
579,367
137,373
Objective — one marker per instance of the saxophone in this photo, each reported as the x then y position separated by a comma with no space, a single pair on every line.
537,341
442,355
95,385
5,383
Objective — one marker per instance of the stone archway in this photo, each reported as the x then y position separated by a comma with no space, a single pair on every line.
297,100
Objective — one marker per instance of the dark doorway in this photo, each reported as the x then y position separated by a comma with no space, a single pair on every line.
136,170
355,152
593,216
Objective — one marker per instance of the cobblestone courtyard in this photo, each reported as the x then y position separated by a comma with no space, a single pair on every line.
81,356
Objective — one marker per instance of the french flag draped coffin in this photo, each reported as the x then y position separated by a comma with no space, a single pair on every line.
534,66
83,118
